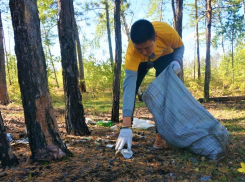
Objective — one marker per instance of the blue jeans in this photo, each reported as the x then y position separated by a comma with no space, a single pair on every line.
160,64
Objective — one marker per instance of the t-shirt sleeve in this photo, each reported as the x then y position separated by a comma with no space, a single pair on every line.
129,90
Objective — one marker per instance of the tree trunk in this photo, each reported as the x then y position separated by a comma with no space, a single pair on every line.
7,157
80,61
4,98
42,130
178,16
243,7
161,10
108,31
208,43
118,62
194,62
179,13
197,44
232,51
74,113
174,13
125,25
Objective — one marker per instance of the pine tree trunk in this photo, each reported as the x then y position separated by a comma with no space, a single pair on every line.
208,43
7,157
118,62
80,61
4,98
197,44
75,120
42,130
178,15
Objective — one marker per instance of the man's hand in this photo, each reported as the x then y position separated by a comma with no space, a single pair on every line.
124,137
175,66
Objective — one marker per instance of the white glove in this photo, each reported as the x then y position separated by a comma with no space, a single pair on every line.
175,66
124,137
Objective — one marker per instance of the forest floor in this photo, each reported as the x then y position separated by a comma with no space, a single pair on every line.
95,160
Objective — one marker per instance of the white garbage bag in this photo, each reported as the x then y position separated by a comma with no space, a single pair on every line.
141,124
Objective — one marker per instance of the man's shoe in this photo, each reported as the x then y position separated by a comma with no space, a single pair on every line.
159,142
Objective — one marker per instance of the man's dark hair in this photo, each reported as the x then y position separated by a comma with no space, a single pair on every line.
142,31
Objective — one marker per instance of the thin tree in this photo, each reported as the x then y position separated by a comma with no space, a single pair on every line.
221,34
50,56
197,42
74,113
48,18
42,129
178,16
7,157
108,31
103,24
243,7
233,29
118,62
4,98
125,6
156,9
80,61
208,44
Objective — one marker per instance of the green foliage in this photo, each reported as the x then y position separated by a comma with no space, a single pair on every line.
99,77
221,82
47,11
236,86
155,10
12,79
48,17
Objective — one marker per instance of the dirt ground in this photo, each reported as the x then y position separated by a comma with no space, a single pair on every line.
94,159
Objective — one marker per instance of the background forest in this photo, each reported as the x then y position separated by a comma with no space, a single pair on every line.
97,45
63,61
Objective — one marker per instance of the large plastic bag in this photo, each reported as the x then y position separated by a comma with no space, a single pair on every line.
182,121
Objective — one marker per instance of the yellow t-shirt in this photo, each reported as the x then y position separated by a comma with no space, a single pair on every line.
167,40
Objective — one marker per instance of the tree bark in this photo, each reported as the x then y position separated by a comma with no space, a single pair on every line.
7,157
179,13
118,62
178,16
208,43
197,43
75,120
108,31
42,130
80,61
4,98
